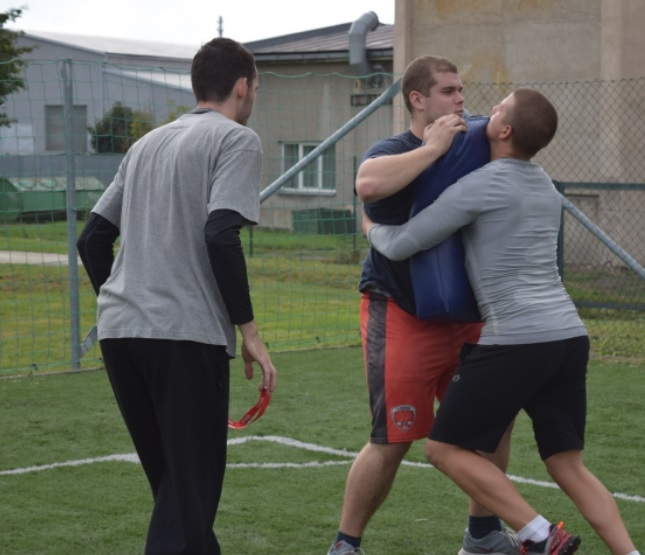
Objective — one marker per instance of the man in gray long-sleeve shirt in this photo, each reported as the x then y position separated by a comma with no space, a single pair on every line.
169,302
533,349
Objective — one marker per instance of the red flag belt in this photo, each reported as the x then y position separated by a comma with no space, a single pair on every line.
255,412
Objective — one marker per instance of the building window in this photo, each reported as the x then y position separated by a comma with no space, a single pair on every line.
55,128
318,176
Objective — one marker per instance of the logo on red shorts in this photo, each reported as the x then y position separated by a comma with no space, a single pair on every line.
403,416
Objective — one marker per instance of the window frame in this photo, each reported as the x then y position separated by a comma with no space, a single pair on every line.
324,169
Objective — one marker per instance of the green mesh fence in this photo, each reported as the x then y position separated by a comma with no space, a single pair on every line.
75,121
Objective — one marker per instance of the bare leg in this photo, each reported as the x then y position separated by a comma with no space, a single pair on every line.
368,484
482,481
592,499
500,459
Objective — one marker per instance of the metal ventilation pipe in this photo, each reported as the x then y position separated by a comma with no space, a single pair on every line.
357,46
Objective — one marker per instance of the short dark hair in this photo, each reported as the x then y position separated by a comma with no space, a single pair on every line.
420,75
534,121
217,66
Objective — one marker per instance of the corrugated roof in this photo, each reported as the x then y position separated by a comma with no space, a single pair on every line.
178,80
326,39
111,45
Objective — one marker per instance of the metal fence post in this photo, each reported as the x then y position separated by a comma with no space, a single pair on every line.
74,304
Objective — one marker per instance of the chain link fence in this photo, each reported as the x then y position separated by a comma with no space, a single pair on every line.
75,120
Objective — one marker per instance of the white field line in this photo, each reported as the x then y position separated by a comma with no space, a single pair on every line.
288,442
37,258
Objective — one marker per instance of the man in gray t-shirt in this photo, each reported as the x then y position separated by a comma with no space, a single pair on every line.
533,349
169,302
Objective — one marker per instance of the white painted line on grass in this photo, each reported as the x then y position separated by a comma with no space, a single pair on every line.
128,457
42,258
313,464
288,442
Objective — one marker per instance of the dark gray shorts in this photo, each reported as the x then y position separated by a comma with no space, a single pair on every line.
494,382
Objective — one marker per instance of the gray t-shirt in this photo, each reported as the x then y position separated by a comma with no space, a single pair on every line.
161,285
510,213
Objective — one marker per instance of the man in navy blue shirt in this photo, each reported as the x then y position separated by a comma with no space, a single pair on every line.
408,361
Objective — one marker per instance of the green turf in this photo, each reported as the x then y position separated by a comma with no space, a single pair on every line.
304,290
103,508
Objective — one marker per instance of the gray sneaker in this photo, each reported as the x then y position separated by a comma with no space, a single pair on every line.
343,548
502,542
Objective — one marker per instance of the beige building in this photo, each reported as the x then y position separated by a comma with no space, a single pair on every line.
526,40
587,55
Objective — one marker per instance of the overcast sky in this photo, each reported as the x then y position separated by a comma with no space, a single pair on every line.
190,22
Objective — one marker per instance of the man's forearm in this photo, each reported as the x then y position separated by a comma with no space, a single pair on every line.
381,177
384,176
425,230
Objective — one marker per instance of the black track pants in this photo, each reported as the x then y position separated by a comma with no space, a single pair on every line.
173,396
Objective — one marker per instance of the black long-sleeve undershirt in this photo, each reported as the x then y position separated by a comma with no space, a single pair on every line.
96,248
222,234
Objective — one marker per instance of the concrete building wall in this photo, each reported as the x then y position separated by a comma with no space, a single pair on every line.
525,40
581,54
622,39
307,104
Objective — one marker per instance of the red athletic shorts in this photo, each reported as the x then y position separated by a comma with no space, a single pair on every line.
408,365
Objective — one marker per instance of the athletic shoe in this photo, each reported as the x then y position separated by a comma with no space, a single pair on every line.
498,542
343,548
559,542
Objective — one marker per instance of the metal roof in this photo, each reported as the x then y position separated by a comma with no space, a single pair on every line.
111,45
324,43
326,39
176,79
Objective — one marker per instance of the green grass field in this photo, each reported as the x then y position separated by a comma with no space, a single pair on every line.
304,289
284,486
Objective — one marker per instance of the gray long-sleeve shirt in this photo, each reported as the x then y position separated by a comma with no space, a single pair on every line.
510,213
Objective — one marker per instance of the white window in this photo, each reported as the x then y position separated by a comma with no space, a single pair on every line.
55,128
318,176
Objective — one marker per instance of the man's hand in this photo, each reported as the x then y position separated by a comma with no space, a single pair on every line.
439,135
253,350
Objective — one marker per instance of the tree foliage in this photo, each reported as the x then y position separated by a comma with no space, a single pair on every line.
175,110
119,129
11,65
